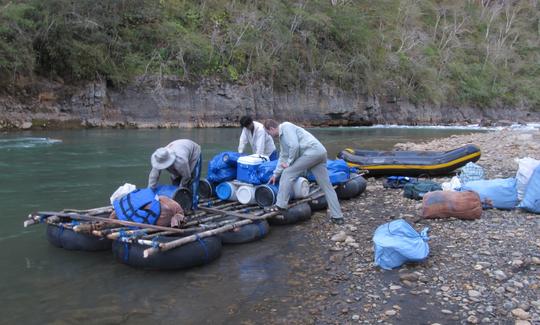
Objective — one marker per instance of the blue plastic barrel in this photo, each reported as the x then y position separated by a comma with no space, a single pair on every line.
226,191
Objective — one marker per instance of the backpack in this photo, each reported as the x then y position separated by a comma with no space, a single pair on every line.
417,190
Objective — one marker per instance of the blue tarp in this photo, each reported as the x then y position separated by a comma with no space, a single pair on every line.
266,170
223,167
531,200
166,190
338,171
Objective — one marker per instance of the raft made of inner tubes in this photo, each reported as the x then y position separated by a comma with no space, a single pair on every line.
297,213
351,188
62,237
410,163
318,204
247,233
199,252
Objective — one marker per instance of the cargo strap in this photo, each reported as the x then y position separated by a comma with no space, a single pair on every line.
60,233
262,231
204,246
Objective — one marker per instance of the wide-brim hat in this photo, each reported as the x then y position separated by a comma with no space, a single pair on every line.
162,158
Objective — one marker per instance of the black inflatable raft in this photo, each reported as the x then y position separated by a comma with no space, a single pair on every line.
410,163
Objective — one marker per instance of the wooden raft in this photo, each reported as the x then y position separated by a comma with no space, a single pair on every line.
212,217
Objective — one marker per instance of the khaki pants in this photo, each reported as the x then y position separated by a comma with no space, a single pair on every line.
315,161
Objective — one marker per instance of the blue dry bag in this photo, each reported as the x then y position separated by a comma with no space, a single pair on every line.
499,193
531,200
396,243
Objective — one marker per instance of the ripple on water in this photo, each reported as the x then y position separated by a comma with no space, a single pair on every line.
26,142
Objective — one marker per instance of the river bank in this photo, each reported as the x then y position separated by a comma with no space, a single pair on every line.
484,271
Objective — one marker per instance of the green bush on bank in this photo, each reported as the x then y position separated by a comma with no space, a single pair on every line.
444,52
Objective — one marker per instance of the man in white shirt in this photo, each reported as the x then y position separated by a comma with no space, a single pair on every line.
261,142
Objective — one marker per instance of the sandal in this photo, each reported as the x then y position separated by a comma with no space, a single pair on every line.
274,208
337,221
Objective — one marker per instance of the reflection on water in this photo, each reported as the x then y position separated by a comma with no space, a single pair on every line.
81,170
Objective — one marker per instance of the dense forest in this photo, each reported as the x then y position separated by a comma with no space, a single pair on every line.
471,52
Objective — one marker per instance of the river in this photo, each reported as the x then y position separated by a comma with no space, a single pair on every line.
52,170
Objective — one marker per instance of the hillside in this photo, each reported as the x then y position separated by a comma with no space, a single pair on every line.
475,53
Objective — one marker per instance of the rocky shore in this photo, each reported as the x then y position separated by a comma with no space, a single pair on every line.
485,271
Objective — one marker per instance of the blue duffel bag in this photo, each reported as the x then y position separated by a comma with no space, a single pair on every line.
531,200
499,193
397,242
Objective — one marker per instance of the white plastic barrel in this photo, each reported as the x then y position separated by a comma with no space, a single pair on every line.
300,188
246,194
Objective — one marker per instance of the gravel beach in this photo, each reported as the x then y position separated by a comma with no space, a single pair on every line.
485,271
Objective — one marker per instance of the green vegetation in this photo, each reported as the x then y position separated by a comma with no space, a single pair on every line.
471,52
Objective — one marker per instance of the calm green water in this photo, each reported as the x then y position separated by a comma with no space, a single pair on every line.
44,284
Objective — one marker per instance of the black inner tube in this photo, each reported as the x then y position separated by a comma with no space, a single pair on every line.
199,252
66,238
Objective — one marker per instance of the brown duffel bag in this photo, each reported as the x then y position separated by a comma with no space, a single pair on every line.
446,204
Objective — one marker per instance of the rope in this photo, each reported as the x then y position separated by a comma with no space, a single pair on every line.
203,244
126,252
155,242
60,232
262,232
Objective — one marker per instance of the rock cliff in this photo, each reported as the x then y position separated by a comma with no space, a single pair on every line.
170,102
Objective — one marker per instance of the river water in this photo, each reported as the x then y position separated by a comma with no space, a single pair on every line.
52,170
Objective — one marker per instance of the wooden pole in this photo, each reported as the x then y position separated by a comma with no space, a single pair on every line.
179,242
77,216
215,216
105,232
100,210
232,213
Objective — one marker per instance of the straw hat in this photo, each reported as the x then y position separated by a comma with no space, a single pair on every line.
162,158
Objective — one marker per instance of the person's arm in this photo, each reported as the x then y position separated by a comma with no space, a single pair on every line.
259,141
283,158
289,133
153,178
184,171
243,141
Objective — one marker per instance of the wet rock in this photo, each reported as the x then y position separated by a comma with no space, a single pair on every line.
474,294
411,277
472,319
349,240
340,236
520,313
500,275
522,322
390,312
355,317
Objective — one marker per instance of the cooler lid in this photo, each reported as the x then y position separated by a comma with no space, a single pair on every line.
252,159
